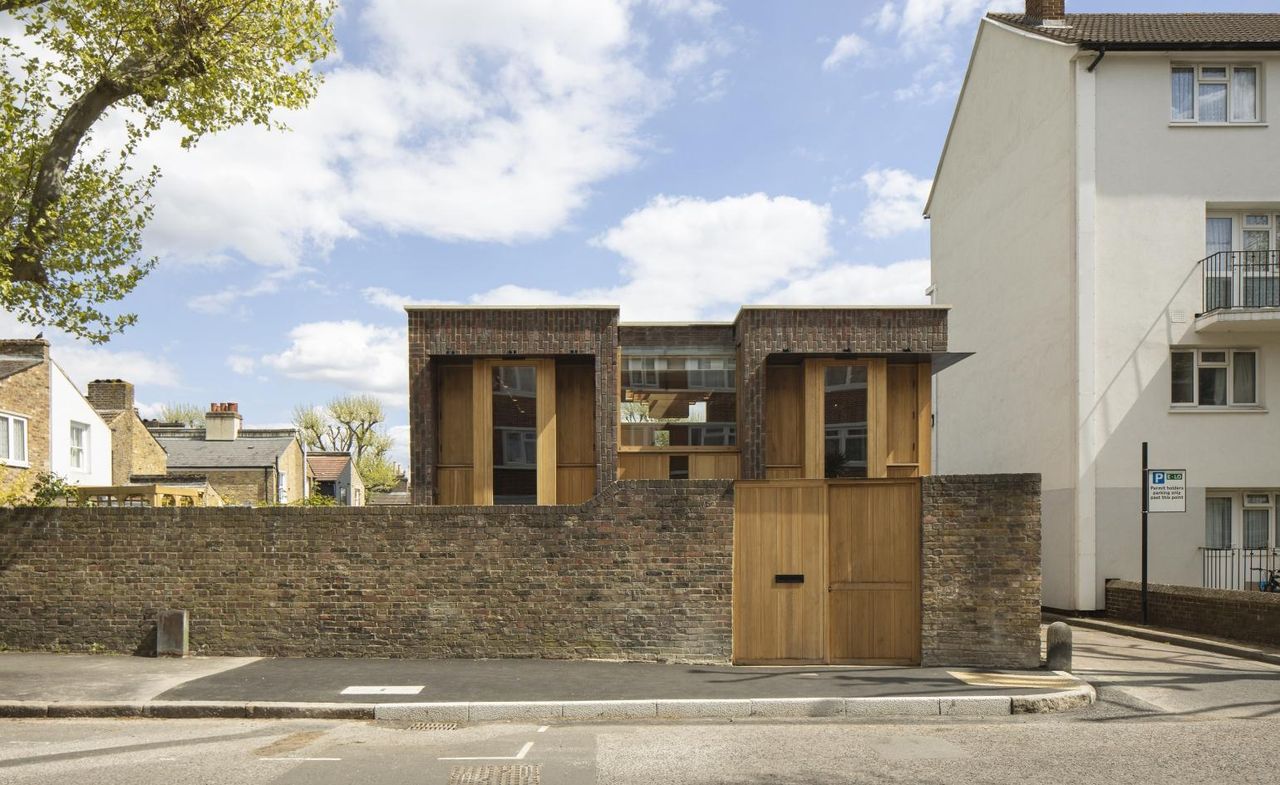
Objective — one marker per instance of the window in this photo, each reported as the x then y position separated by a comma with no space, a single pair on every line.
676,397
1217,522
846,377
13,440
517,380
1208,94
714,435
1214,378
520,447
1257,520
79,447
711,373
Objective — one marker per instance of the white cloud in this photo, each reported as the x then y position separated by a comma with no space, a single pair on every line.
355,356
241,364
901,283
86,363
897,202
848,47
399,445
700,10
478,120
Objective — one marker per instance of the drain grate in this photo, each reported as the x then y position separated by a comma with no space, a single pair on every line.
434,726
495,775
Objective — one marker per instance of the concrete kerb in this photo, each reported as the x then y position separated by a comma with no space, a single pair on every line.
1157,635
551,711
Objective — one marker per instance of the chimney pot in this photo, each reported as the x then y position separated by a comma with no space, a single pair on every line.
222,423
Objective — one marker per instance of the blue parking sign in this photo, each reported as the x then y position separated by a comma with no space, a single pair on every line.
1157,478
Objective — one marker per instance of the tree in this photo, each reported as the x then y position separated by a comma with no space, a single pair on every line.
187,414
352,424
71,212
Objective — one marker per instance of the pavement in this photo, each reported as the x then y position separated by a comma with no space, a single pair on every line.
103,685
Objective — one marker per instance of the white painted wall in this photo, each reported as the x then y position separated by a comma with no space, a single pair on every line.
1068,220
1154,184
1001,225
68,405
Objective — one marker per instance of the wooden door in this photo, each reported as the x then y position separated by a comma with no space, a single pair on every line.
874,572
779,568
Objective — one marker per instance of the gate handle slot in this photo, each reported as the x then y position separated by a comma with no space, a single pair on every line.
788,578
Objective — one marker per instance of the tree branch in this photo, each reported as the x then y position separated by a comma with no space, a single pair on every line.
9,6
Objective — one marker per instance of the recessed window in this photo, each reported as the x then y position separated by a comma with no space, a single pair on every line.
1217,522
1215,94
13,440
517,380
1214,378
679,397
79,447
1256,521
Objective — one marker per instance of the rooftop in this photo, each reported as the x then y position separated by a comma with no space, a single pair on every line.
252,448
1189,31
327,466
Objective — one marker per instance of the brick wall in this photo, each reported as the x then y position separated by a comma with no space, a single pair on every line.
650,336
981,570
1250,616
643,571
499,332
26,394
764,331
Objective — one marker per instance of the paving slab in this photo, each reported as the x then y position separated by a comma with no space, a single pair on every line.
101,677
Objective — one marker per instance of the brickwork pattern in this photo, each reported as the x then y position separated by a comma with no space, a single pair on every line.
764,331
650,336
1249,616
643,571
26,394
980,570
536,332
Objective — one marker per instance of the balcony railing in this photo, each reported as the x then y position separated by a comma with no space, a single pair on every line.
1241,279
1237,568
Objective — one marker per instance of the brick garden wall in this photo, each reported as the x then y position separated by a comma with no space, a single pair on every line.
643,571
1250,616
981,570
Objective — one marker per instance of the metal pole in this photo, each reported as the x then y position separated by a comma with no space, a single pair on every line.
1145,490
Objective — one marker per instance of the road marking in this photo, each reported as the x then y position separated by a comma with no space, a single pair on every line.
518,756
302,759
543,729
1043,681
359,689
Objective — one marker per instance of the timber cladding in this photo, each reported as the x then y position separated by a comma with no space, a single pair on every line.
643,571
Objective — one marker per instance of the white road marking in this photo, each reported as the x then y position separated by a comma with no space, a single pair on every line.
376,690
543,729
518,756
302,759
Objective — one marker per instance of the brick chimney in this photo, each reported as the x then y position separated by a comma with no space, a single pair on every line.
110,395
222,422
37,348
1047,10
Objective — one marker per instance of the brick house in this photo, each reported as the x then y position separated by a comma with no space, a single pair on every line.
244,465
334,475
46,424
135,452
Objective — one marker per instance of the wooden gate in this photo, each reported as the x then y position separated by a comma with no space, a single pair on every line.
827,571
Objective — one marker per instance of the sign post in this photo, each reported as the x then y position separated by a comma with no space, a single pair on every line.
1163,490
1146,503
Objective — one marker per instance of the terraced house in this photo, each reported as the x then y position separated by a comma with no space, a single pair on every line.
1105,224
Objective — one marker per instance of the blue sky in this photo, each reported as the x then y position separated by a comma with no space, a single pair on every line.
677,157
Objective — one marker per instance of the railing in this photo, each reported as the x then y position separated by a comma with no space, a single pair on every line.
1237,568
1241,279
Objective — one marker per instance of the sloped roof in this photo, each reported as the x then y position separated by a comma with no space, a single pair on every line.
10,366
1157,31
192,452
328,466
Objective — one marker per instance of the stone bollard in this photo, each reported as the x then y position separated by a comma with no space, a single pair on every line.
1058,657
171,634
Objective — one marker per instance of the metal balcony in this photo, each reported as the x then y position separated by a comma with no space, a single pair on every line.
1241,291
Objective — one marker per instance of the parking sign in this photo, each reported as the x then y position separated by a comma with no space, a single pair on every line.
1167,490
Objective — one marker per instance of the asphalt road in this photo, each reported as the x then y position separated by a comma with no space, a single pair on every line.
1166,715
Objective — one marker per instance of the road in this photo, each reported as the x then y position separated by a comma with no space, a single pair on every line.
1167,715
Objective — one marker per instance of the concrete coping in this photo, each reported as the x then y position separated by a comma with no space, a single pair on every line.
529,711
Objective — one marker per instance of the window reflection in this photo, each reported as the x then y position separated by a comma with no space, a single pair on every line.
515,435
675,400
844,412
